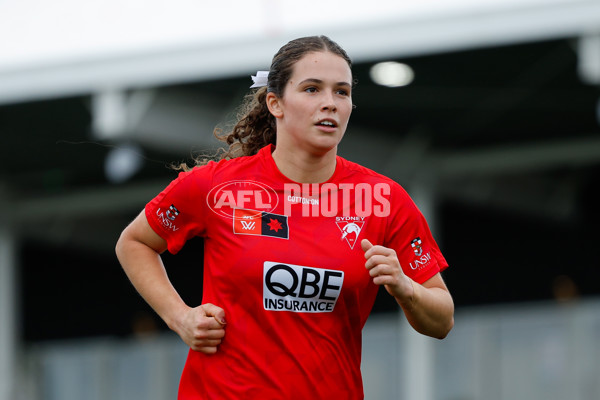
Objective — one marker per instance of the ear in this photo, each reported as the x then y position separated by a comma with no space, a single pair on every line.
274,105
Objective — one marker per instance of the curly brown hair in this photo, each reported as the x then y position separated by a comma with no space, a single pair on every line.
256,126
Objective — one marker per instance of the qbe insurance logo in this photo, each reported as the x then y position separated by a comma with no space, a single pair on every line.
296,288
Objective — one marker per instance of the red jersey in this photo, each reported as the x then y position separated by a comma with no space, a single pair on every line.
284,261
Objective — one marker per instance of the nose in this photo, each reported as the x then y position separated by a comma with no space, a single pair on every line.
329,103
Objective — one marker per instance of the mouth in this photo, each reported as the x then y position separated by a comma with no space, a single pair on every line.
328,123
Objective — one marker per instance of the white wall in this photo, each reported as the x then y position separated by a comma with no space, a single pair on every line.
70,47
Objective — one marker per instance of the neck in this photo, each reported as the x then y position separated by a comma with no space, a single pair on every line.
305,168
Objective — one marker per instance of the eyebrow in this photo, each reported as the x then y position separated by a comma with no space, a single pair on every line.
319,81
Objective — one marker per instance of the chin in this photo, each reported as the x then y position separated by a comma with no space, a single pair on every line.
322,148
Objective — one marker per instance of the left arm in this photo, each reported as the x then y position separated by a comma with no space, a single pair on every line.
429,307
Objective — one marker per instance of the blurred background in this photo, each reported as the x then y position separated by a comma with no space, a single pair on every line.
487,112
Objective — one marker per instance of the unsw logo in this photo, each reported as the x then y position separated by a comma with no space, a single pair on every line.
423,259
416,245
297,288
168,217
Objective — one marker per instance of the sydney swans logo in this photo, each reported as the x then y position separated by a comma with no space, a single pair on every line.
350,228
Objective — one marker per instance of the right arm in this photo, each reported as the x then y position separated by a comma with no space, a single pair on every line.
138,250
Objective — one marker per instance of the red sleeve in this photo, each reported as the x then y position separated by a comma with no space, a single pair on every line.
409,235
179,212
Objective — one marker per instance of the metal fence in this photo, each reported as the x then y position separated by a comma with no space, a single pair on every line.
545,351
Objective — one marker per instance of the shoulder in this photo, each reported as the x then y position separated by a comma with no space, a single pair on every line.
380,184
357,173
218,170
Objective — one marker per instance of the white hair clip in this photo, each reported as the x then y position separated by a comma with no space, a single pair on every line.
260,79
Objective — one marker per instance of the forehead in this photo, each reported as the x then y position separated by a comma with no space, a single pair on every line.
322,65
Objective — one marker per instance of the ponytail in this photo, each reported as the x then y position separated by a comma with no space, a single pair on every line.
254,130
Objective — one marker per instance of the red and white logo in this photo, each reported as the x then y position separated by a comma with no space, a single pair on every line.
260,223
350,227
422,259
226,197
416,246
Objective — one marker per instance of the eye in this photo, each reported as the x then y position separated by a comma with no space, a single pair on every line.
343,92
311,89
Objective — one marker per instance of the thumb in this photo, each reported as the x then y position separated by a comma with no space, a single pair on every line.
216,312
365,245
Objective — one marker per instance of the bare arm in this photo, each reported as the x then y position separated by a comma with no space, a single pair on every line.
138,250
430,310
429,307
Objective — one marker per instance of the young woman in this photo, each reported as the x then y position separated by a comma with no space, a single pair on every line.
297,242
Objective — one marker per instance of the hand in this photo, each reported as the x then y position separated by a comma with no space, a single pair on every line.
384,267
203,328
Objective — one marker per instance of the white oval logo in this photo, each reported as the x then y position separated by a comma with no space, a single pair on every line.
224,198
